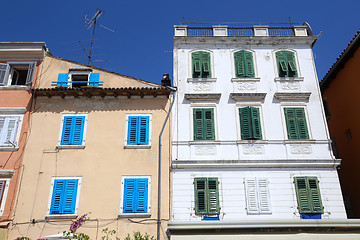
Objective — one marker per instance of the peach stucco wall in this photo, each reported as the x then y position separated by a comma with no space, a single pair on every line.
343,100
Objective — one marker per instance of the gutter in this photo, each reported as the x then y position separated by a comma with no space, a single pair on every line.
158,220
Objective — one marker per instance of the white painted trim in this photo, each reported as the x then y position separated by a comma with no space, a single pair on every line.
59,146
199,105
127,127
121,213
48,215
15,110
11,70
71,73
11,87
3,202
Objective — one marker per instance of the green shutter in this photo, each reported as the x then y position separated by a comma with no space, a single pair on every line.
198,124
196,64
201,65
291,62
206,65
255,122
296,125
209,124
239,64
250,123
286,64
301,122
249,65
204,127
213,196
282,64
200,196
308,195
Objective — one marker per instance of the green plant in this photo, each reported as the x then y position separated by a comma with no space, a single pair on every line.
108,233
139,236
78,236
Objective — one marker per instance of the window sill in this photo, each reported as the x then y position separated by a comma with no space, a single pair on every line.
289,79
8,148
260,141
70,146
14,87
299,141
140,215
204,142
256,79
61,216
201,79
137,146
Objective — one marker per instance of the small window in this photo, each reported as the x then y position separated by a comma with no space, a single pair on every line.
204,127
64,196
257,196
286,64
16,74
78,79
308,196
138,130
244,64
296,124
250,123
206,196
136,195
4,186
201,67
73,130
10,126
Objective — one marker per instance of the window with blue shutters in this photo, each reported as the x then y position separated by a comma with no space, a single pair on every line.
73,130
64,196
138,130
136,195
78,79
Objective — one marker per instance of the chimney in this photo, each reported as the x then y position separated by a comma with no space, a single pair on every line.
165,81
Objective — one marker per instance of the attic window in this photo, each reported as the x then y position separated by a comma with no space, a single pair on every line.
79,80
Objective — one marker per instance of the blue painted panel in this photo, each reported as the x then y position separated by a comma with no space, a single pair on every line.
63,80
94,79
310,215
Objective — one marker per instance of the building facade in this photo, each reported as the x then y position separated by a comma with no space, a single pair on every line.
251,153
94,150
339,93
19,65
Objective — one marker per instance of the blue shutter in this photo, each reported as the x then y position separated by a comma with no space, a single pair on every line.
94,79
142,195
132,130
143,132
69,197
66,131
77,130
57,200
129,195
63,80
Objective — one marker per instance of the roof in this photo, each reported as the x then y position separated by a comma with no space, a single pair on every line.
340,61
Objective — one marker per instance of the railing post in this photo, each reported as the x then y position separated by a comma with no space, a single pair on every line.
300,31
180,30
220,30
260,30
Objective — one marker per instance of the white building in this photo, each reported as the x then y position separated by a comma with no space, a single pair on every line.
251,152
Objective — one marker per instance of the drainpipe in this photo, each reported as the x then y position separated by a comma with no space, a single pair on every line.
166,81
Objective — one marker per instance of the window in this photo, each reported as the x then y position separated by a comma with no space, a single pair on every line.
10,126
138,130
4,186
244,65
73,130
286,64
64,195
136,195
78,79
308,197
296,123
204,128
257,196
206,196
250,125
17,74
201,67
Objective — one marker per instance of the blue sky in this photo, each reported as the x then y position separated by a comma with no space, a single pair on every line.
141,45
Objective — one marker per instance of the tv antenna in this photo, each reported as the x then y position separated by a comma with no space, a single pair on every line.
89,23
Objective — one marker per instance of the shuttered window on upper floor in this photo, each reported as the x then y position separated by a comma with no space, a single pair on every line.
138,130
201,66
206,196
296,124
135,195
250,123
64,196
73,128
8,130
257,196
286,64
204,127
78,79
308,195
244,64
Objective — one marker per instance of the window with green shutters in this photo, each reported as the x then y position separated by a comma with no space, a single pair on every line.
204,128
286,64
244,64
201,67
308,195
206,196
296,125
250,125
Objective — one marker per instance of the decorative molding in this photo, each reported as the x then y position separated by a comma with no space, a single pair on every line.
248,96
6,173
202,96
246,85
292,96
205,150
202,86
300,149
19,110
290,85
253,149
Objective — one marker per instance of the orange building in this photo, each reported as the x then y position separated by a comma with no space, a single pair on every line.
340,92
18,73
